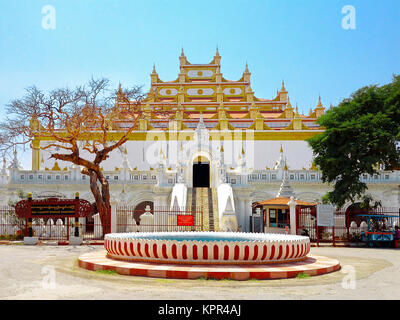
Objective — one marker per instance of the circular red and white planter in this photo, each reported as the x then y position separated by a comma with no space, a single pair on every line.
226,248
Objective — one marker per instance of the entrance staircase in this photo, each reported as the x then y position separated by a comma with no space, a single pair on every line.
204,201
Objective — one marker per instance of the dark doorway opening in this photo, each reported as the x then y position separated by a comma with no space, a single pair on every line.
201,175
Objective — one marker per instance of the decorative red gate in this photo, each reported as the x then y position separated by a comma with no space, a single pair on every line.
52,208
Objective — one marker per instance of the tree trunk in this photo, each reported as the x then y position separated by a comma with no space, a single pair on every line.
102,198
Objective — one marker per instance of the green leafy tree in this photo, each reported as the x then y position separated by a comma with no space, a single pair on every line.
360,135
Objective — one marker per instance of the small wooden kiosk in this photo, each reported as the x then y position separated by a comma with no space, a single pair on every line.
276,213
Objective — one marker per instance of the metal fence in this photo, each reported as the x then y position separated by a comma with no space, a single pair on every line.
11,226
14,228
151,219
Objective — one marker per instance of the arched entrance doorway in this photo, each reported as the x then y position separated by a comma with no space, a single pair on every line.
140,209
201,173
353,212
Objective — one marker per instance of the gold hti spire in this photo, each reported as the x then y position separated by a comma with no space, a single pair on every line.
246,70
296,115
217,52
182,53
281,151
319,105
154,68
283,89
288,105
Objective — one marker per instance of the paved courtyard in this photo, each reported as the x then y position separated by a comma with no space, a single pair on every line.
51,272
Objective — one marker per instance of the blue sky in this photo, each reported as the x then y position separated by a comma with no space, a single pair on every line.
302,42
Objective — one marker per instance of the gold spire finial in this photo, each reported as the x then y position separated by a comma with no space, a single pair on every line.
288,104
217,52
125,151
319,105
154,68
281,151
297,112
283,89
246,70
182,53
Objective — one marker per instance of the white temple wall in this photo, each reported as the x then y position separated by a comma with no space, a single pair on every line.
142,155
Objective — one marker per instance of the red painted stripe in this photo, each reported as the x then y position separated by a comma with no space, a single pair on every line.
279,253
226,252
194,249
272,252
264,252
237,251
287,252
164,251
255,252
298,251
138,272
215,252
114,247
138,250
132,252
155,250
246,252
177,274
146,249
126,249
174,251
205,252
292,255
184,252
302,249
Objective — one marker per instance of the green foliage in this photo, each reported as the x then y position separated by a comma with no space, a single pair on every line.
302,275
369,203
360,134
109,272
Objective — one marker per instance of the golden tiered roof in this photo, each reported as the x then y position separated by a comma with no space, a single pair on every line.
224,104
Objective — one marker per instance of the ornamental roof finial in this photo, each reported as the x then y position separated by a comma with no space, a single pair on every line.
246,70
319,105
288,105
217,52
283,89
296,115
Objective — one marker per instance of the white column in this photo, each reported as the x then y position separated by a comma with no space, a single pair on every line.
114,217
242,214
292,206
248,210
